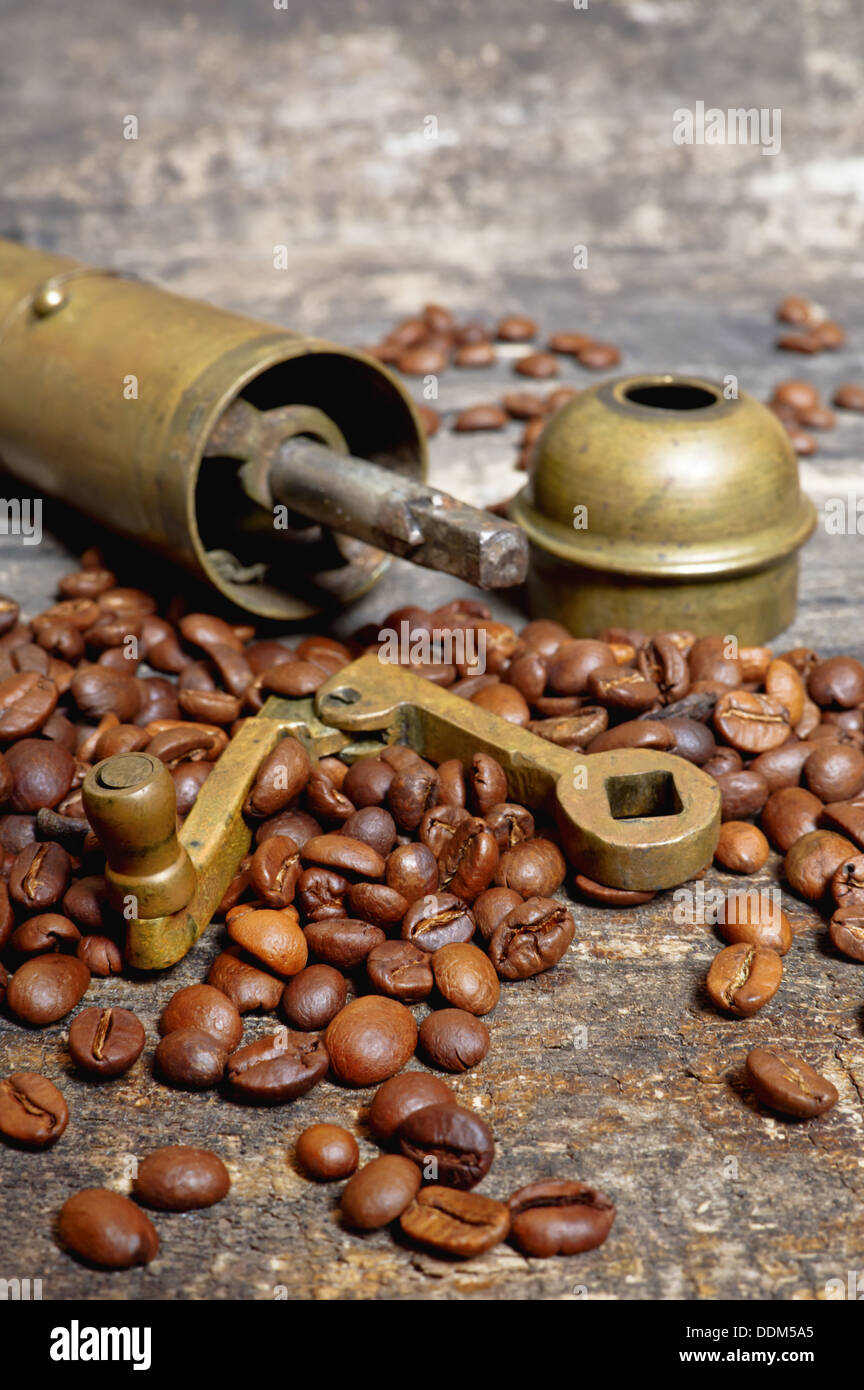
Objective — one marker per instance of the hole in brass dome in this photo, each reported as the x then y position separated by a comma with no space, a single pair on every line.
640,794
671,396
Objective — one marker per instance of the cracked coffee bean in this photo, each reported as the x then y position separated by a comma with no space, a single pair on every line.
33,1112
106,1042
463,1224
437,920
787,1083
743,978
532,938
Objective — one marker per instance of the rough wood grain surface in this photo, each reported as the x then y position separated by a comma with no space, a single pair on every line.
305,126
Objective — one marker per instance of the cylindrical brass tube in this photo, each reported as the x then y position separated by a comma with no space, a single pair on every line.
110,390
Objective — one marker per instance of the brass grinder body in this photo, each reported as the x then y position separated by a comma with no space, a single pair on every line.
72,338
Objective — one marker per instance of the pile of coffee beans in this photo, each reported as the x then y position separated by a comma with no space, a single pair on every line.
429,342
384,905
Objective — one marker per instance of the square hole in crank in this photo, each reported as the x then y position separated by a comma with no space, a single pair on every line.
642,794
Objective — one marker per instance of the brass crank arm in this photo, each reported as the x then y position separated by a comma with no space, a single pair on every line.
631,818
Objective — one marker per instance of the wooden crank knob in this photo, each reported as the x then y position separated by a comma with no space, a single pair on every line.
131,803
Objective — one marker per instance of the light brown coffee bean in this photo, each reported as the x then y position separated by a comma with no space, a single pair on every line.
743,978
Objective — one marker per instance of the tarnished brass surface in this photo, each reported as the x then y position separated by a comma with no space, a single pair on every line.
110,390
693,513
131,803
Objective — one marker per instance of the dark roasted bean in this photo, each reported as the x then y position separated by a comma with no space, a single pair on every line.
379,1192
398,1097
451,1145
436,920
532,938
278,1068
454,1039
47,988
204,1008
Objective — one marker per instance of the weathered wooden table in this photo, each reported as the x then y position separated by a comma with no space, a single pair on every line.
307,127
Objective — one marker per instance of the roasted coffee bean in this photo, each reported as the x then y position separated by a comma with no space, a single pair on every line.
343,941
510,824
204,1008
742,794
344,854
532,938
107,1230
278,1068
559,1218
106,1042
619,688
400,1096
488,782
847,930
439,825
272,937
572,663
462,1224
411,794
849,396
437,920
451,785
787,1083
505,701
661,662
692,740
281,777
741,848
847,817
751,722
834,772
206,631
246,985
725,760
837,681
374,826
742,978
39,875
469,861
605,896
377,903
527,673
781,767
379,1192
456,1141
321,894
327,1152
756,919
27,700
547,637
274,871
789,813
370,1039
101,955
99,690
46,988
599,356
48,932
42,772
33,1112
190,1059
181,1178
813,860
314,997
466,978
534,868
709,659
538,365
492,907
635,733
847,885
367,782
412,870
454,1039
401,971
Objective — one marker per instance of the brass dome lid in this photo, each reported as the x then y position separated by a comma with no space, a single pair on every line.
677,482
